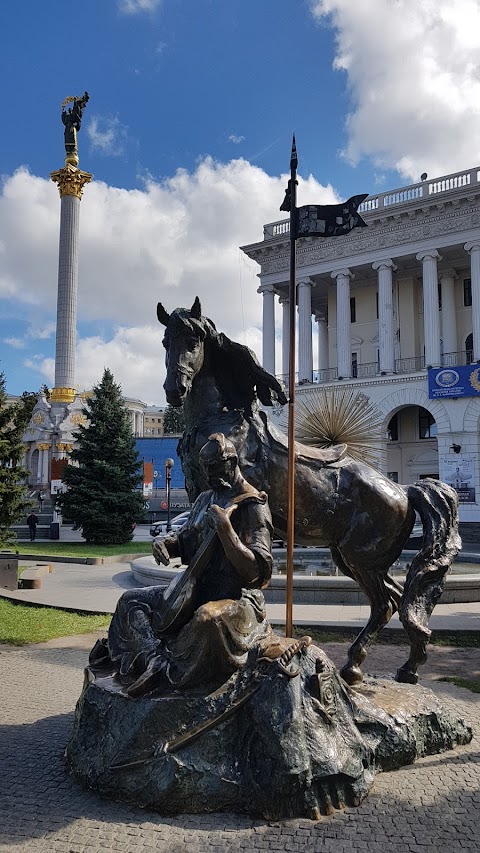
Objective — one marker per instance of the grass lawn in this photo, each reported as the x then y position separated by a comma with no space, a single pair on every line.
474,686
81,549
20,624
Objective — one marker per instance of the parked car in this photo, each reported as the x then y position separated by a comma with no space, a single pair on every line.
159,528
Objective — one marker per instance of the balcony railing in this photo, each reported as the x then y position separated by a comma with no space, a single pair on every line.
404,195
371,369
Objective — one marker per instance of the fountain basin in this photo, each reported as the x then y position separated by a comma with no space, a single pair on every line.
462,584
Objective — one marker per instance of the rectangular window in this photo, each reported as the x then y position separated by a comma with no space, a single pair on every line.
354,365
467,292
393,475
427,427
353,310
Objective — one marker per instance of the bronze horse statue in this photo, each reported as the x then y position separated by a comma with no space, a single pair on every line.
362,516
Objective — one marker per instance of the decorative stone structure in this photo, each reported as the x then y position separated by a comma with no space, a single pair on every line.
50,431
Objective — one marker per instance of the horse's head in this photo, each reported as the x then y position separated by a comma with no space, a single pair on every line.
184,338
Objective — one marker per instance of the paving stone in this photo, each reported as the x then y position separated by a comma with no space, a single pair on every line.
431,806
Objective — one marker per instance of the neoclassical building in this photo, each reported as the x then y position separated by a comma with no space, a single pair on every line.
393,311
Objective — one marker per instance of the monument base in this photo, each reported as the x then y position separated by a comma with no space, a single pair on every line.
272,742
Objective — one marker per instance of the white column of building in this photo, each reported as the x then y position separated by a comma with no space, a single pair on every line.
268,339
322,338
305,353
285,303
344,343
431,313
474,250
385,315
448,316
45,466
40,463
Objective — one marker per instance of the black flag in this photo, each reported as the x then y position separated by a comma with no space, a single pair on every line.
329,220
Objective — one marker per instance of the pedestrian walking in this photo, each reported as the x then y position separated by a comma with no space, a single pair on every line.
41,498
32,522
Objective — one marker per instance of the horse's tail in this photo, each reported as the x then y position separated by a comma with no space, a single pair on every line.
437,506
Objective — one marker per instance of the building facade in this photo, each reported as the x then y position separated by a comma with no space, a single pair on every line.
393,310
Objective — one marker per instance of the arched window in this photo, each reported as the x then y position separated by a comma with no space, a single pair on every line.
469,348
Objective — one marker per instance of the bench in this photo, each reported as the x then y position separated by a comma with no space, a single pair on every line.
32,578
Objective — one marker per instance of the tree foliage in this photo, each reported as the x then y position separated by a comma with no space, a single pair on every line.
24,408
173,420
103,474
12,475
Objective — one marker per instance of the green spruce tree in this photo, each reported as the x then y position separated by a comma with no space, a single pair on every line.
173,420
12,474
101,497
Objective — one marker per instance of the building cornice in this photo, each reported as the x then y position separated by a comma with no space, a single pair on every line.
384,235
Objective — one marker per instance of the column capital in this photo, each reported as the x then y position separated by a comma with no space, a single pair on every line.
387,263
448,273
473,244
71,181
345,271
305,280
266,288
44,445
320,317
284,299
429,253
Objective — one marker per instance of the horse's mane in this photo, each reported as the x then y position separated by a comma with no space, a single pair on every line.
241,377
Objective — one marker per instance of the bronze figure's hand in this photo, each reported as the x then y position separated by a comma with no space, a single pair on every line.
219,516
160,551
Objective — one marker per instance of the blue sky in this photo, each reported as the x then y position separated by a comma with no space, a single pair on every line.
187,132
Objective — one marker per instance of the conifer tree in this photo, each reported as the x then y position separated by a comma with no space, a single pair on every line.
173,420
12,474
104,472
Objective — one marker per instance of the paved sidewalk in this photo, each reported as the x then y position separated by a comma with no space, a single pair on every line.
425,808
97,589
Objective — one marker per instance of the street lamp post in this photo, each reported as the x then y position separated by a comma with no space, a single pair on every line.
169,463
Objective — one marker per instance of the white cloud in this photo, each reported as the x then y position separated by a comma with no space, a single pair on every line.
107,136
235,138
132,7
413,72
15,343
168,242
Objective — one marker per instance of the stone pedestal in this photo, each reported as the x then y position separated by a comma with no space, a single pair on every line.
267,743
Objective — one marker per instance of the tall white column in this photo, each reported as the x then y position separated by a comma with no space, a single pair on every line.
474,250
448,316
285,303
268,339
385,314
344,343
322,338
70,181
305,354
431,313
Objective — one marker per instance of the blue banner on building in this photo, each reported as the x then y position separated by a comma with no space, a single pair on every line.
461,381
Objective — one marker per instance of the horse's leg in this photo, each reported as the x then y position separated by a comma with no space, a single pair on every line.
382,606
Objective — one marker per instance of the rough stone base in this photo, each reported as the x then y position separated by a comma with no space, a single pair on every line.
300,746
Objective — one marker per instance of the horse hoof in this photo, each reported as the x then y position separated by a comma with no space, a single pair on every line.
352,675
405,676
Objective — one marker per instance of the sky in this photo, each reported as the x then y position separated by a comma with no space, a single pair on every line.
188,133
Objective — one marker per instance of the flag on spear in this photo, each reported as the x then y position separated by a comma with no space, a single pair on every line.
326,220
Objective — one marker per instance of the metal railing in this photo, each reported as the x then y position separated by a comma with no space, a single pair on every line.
371,369
403,195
